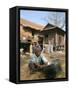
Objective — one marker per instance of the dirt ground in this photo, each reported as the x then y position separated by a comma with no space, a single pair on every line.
25,72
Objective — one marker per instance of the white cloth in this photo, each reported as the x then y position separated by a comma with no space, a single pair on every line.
36,59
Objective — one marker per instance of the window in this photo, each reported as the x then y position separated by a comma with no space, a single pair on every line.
59,41
46,39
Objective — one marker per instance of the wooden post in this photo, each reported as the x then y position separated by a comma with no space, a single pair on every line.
56,41
30,49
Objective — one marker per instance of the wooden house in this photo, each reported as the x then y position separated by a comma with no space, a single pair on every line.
32,32
29,32
54,35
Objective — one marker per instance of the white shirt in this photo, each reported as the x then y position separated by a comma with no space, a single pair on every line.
36,59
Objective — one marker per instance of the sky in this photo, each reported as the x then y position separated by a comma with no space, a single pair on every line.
39,17
34,16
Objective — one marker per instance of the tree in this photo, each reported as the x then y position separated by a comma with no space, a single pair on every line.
56,18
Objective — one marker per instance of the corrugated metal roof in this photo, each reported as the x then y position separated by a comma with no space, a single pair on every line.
26,23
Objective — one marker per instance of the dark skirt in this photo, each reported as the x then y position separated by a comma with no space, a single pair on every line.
50,71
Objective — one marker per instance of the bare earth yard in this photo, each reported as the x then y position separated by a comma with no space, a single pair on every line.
24,70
